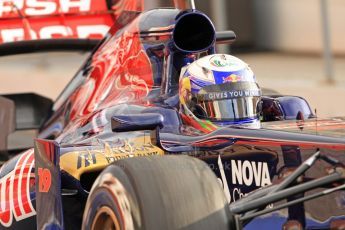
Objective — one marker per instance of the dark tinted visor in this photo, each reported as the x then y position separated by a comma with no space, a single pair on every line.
228,101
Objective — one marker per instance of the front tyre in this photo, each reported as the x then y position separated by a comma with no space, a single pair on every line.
170,192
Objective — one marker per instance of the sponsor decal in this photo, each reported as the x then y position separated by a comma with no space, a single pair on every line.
78,162
129,150
250,173
44,180
218,61
232,78
231,94
86,159
114,158
20,8
243,173
224,180
112,154
15,191
55,31
37,19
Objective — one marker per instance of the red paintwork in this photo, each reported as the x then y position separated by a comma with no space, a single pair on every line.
35,19
15,189
121,73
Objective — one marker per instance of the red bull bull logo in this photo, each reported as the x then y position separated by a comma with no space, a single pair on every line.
232,78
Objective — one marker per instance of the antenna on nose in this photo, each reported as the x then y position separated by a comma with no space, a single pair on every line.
192,4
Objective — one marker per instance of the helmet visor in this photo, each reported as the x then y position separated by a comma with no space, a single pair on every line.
228,102
229,109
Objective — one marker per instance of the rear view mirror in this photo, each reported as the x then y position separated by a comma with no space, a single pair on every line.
225,37
136,122
139,122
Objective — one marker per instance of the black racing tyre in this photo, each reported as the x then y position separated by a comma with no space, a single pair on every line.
169,192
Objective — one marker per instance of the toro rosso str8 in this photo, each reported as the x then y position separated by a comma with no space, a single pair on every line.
113,151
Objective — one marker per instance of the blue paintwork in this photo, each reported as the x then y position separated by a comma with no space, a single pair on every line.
48,204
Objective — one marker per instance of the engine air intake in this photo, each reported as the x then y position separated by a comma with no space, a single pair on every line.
193,32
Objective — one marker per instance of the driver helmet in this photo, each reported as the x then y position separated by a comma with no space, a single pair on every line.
218,90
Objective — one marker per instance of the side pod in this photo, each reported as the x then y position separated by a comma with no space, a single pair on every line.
48,185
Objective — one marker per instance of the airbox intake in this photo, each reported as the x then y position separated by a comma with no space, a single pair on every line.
193,32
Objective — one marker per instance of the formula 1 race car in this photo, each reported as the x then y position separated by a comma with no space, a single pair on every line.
126,145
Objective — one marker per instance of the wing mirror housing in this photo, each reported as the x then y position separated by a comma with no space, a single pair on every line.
136,122
225,37
139,122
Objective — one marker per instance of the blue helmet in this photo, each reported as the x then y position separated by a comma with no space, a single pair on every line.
222,89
